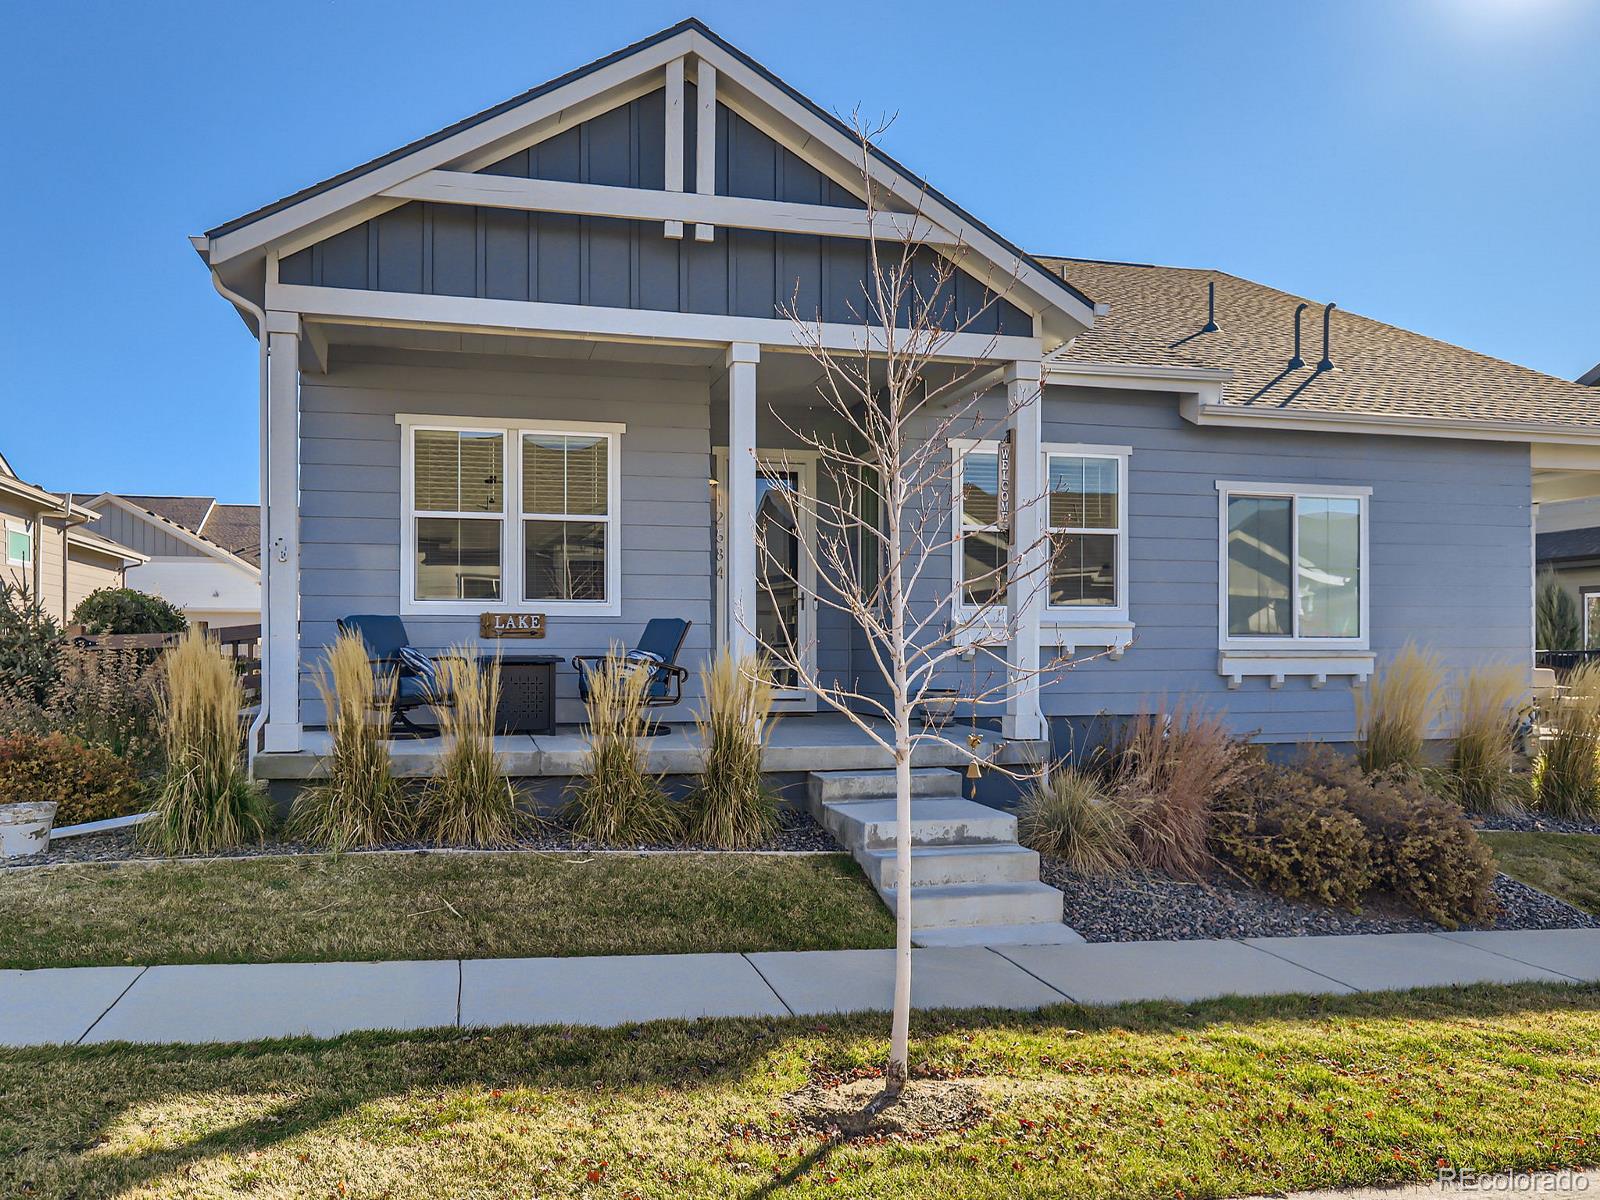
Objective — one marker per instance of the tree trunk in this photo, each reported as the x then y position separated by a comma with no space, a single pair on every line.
900,1029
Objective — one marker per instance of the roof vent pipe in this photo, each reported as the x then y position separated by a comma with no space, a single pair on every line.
1297,362
1327,316
1211,308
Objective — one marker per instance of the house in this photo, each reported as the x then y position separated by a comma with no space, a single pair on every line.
1568,545
50,552
200,555
535,362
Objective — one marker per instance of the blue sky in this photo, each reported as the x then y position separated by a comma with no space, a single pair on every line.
1427,162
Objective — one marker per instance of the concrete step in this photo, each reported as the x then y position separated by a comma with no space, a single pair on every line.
1040,934
970,904
933,865
935,821
824,787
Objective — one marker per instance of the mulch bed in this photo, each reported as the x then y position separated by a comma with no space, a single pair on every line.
1155,908
797,833
1532,822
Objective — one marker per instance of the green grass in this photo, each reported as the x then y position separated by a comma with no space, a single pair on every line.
391,906
1218,1099
1566,865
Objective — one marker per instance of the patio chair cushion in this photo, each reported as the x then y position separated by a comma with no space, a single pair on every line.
421,667
663,637
384,635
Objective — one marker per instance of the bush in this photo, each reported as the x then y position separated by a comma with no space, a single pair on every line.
468,801
127,610
88,783
1566,774
1488,705
207,801
1557,623
1394,709
361,802
1067,815
31,645
617,801
1423,849
732,806
1289,834
1169,769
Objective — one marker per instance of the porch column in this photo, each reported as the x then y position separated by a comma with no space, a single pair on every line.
1030,555
742,359
280,558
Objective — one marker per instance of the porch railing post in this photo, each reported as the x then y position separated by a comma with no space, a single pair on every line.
1025,595
280,659
741,546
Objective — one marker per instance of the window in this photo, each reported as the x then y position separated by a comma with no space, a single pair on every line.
512,516
870,550
983,543
1591,618
19,543
1294,564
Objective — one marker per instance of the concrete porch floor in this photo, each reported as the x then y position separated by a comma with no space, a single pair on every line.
798,743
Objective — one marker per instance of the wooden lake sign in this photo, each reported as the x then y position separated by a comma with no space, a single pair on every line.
511,625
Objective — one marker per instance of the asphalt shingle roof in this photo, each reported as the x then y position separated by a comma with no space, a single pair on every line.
1567,545
1157,314
234,527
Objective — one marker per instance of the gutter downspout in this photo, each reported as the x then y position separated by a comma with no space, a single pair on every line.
259,313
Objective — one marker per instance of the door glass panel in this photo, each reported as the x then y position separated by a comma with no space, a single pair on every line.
778,568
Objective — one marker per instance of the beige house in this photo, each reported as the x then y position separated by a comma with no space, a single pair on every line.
49,551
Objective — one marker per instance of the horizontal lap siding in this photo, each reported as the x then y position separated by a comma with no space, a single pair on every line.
351,503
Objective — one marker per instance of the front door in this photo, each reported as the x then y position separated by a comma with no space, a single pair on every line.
785,616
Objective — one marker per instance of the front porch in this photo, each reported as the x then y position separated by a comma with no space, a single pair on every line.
797,744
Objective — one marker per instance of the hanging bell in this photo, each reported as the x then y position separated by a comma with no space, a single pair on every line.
973,771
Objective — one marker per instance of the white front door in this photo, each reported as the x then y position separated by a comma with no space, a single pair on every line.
786,612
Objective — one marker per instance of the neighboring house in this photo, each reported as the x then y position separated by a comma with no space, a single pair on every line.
532,362
49,552
202,556
1568,544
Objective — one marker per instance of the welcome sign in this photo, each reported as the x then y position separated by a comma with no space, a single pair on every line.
511,625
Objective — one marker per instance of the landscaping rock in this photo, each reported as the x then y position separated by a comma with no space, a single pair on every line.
1534,822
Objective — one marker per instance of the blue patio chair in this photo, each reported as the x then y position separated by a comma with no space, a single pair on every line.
389,648
657,652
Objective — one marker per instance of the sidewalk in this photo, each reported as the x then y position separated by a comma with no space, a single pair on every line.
247,1002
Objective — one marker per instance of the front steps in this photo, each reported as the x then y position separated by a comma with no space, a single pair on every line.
972,884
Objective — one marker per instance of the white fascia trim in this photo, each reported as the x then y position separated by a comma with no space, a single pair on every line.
175,530
589,322
1461,429
1277,665
1137,377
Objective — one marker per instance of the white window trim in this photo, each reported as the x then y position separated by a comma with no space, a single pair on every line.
510,517
1227,488
1066,627
26,528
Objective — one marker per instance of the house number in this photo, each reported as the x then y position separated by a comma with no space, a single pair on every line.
511,625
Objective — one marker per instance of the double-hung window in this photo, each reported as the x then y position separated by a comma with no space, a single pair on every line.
1294,565
510,516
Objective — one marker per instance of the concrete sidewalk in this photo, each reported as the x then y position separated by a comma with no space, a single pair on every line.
247,1002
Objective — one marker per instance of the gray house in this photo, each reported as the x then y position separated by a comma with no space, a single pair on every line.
536,363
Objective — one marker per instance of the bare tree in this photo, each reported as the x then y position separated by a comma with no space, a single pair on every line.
884,530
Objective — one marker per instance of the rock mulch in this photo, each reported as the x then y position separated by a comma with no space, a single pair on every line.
1533,822
797,833
1155,908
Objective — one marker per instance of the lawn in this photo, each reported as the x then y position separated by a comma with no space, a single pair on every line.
393,906
1566,865
1218,1099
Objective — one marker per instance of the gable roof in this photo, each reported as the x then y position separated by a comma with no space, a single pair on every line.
1567,545
229,531
1591,377
697,38
1157,315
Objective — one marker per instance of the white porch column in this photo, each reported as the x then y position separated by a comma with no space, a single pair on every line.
1026,595
742,359
280,559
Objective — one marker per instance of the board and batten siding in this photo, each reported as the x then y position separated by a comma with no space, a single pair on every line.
141,534
560,258
351,504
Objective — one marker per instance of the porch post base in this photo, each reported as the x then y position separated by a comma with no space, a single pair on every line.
282,737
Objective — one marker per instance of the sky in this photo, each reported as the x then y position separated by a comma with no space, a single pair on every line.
1430,163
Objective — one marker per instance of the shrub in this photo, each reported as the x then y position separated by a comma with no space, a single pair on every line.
88,783
206,800
1423,849
127,610
1394,709
1557,624
108,698
31,645
361,803
1289,834
1169,769
617,801
469,800
1487,705
1066,814
1566,774
732,806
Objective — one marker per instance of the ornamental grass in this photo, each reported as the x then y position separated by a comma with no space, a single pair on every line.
1566,773
616,801
1169,768
732,806
1067,814
468,801
1394,709
1487,706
